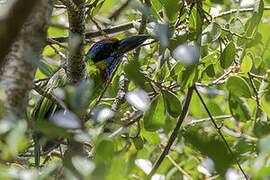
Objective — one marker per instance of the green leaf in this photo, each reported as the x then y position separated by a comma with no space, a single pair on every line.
138,142
210,34
156,4
97,8
188,76
155,117
261,129
264,144
237,26
238,87
171,9
228,55
173,105
239,108
16,138
210,146
132,70
176,69
265,104
246,64
104,150
210,71
257,61
151,137
81,97
208,60
254,21
50,130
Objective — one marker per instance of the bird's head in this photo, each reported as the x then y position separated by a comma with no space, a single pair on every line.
107,53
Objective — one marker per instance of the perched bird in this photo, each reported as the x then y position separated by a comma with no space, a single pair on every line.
101,60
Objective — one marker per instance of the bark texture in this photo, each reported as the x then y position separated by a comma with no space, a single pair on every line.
75,67
19,71
12,23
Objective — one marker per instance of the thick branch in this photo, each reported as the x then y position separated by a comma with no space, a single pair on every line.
11,25
76,68
19,70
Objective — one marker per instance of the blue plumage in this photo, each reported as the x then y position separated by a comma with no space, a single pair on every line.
108,53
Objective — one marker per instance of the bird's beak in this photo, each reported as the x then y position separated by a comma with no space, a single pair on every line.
129,43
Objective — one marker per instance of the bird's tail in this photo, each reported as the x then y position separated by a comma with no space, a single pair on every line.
37,151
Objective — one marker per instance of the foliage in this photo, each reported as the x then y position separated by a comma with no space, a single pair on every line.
225,53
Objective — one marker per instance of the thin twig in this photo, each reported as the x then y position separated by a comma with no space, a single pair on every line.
235,34
118,10
49,96
118,131
187,15
238,135
122,89
232,11
179,168
254,89
194,122
141,30
58,52
51,61
219,80
219,132
257,76
59,6
89,35
53,41
98,26
174,133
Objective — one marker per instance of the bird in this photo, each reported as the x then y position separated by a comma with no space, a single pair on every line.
101,61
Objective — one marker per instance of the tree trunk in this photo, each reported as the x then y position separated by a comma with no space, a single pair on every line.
20,68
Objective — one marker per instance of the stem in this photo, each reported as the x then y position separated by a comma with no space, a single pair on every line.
174,133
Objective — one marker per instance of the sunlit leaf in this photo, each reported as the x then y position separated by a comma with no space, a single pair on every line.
210,34
228,55
155,117
173,105
144,165
151,137
238,87
210,146
171,9
265,103
97,8
239,108
132,69
237,26
188,76
104,150
253,22
246,64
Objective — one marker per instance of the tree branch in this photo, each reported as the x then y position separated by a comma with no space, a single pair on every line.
174,133
19,70
76,67
89,35
12,24
220,133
